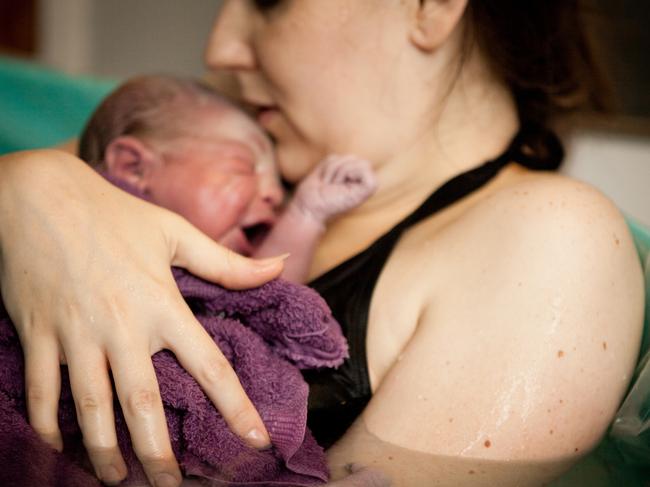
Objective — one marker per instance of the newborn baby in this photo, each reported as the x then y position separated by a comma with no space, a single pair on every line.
181,145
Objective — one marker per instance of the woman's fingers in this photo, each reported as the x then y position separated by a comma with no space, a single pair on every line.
198,354
205,258
93,396
43,388
138,393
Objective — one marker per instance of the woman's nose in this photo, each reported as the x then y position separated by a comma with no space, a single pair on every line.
228,45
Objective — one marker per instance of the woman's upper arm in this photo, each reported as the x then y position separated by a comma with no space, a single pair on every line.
525,353
70,146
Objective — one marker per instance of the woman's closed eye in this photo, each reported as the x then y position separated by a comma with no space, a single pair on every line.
264,5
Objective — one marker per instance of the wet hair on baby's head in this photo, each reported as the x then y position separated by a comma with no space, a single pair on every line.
152,107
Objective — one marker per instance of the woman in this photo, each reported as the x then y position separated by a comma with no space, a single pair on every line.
490,355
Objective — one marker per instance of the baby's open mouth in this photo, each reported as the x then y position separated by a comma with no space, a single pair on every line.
255,234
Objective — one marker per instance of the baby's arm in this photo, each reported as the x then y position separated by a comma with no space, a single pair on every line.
336,185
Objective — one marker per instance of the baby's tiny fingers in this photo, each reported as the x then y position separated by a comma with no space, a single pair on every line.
355,170
333,169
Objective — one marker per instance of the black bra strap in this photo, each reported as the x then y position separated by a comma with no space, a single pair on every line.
532,147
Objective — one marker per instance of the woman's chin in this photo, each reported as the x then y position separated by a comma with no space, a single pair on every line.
296,161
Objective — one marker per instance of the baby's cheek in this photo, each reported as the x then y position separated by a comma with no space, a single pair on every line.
224,207
237,195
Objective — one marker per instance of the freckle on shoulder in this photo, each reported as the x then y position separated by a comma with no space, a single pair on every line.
555,195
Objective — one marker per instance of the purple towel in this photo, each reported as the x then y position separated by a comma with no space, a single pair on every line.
266,334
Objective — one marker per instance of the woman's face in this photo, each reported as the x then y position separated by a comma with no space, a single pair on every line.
322,74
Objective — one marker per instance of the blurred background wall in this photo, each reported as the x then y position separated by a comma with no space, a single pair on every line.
114,38
119,38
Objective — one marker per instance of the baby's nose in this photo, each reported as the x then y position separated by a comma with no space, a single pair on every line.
272,194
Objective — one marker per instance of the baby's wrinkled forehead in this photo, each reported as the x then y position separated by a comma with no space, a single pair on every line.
223,117
223,130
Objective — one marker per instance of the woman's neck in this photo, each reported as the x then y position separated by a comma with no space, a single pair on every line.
477,121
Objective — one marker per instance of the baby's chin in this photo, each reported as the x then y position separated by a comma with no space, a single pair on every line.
236,240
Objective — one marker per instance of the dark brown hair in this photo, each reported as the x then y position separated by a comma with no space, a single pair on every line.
542,51
156,107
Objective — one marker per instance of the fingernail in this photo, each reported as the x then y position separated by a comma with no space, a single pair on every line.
257,439
54,440
272,260
109,475
165,480
264,265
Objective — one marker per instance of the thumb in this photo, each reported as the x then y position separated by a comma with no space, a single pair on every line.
203,257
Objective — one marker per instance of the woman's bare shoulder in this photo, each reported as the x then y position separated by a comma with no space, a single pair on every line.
538,216
549,199
536,224
526,341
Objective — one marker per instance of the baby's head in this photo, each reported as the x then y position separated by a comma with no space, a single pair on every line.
186,148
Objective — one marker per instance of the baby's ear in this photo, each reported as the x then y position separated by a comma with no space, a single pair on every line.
130,160
434,22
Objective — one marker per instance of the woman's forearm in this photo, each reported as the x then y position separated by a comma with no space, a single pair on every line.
406,467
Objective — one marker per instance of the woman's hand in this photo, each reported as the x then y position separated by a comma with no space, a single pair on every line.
85,276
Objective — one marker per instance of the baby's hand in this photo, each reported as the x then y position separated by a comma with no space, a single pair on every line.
336,185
